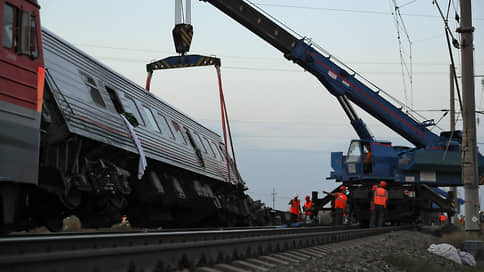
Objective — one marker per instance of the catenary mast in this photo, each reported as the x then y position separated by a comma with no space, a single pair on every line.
469,143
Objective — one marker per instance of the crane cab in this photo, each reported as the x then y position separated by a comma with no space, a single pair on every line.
364,160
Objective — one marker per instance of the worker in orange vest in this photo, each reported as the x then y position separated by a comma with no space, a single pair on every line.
378,205
443,218
340,205
367,162
307,209
295,209
340,200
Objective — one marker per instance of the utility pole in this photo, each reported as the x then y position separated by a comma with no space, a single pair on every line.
452,219
273,198
469,144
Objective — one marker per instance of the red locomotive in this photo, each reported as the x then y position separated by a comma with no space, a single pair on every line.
21,92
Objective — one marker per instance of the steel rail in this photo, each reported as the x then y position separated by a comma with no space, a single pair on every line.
160,251
30,243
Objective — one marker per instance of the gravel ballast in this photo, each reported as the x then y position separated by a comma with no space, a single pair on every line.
396,251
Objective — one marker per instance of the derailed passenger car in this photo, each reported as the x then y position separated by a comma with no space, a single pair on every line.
89,151
89,162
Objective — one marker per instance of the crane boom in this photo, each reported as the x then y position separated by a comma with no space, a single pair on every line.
337,80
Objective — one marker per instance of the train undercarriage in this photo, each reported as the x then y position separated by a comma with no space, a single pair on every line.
98,183
100,192
407,203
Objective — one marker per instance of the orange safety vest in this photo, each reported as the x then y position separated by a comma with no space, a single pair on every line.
307,206
295,207
368,157
443,218
340,201
381,196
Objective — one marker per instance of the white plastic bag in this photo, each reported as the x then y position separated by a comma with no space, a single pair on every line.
467,258
445,250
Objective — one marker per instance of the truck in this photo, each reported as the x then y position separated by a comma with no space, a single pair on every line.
410,172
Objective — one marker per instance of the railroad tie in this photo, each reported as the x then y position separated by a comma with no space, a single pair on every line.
281,257
284,258
298,254
319,250
251,266
274,260
315,251
314,254
324,249
231,268
207,269
259,262
292,256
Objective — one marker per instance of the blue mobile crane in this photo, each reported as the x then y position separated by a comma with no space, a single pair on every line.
411,172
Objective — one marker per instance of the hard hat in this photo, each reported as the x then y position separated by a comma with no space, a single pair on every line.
307,197
383,184
295,196
342,188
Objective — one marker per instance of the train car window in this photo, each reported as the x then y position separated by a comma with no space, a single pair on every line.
209,147
221,152
190,138
24,34
115,99
195,146
134,110
213,146
185,136
177,129
27,35
151,119
34,45
165,127
8,26
20,31
354,152
201,143
197,140
95,95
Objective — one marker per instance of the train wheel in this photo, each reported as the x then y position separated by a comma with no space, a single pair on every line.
364,223
100,212
53,223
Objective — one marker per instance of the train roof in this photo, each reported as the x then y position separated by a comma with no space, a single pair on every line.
94,60
82,88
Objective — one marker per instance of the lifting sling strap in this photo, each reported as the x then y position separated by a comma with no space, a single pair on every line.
226,126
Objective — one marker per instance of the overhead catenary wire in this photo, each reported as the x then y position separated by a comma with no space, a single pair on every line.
369,12
407,69
455,43
251,68
258,59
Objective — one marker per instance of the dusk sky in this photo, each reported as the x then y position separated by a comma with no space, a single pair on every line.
284,122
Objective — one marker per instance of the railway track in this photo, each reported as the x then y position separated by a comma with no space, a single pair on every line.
167,250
